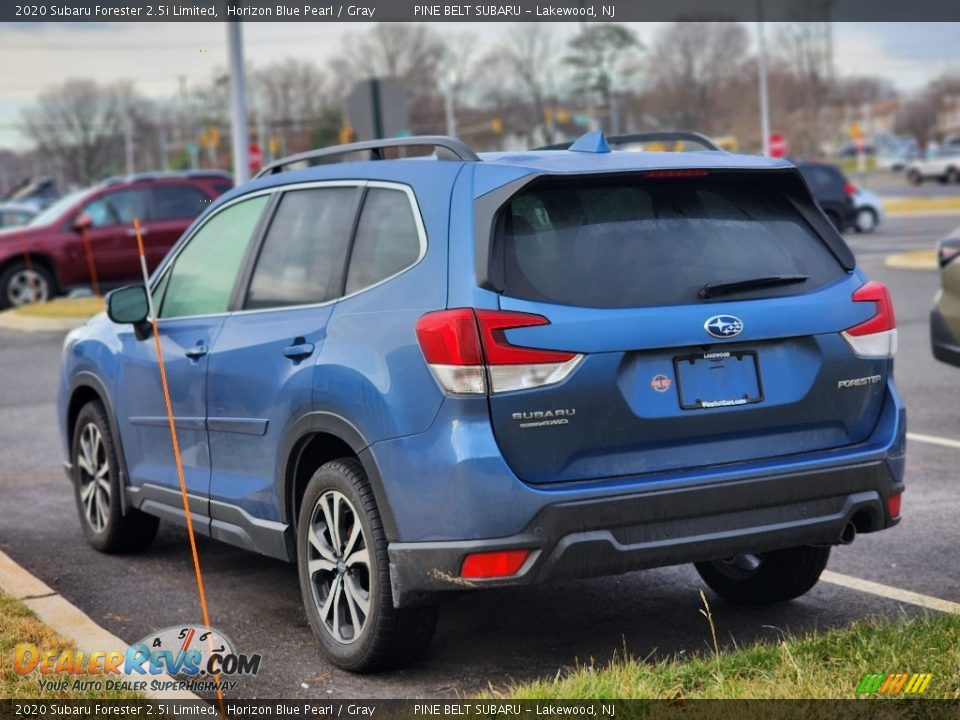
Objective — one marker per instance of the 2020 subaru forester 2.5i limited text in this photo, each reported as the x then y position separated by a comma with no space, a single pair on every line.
419,376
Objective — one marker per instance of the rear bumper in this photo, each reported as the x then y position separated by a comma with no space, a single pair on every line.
606,536
945,346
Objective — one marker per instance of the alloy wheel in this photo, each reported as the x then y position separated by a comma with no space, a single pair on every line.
27,286
94,468
338,565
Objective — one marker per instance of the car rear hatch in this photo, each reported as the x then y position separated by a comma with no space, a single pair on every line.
693,318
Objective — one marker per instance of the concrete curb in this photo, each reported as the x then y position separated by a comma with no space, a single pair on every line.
68,620
12,320
912,260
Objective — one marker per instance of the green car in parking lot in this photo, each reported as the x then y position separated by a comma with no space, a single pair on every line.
945,316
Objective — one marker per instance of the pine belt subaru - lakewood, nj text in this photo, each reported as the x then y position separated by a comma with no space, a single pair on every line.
416,376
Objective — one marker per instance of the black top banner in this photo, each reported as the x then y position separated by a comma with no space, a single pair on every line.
517,11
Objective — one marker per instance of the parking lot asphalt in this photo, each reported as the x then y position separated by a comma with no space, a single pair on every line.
492,637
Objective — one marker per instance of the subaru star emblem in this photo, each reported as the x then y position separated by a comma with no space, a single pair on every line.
723,326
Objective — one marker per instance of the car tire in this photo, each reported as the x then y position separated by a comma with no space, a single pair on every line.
914,177
97,490
866,221
18,284
953,176
345,576
767,578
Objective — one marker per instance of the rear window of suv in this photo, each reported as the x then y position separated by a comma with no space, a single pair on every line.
642,242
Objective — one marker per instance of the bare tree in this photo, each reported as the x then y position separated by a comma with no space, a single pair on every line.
408,53
596,55
292,95
806,50
691,67
520,73
83,123
917,117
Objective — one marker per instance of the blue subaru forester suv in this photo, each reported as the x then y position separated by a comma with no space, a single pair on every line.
416,376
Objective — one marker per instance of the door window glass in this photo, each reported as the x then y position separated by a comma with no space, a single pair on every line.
304,253
204,273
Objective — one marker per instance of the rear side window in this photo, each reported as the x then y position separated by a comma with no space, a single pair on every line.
631,243
305,250
387,239
177,201
117,208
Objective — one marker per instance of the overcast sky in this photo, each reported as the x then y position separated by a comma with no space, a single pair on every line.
155,55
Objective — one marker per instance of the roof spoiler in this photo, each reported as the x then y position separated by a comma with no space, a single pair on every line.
647,137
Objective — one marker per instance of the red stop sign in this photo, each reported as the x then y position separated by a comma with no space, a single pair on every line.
255,157
778,145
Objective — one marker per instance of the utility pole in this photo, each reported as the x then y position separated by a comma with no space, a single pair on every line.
128,141
762,80
238,105
448,103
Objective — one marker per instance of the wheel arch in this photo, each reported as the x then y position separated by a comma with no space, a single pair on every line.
316,438
42,259
86,387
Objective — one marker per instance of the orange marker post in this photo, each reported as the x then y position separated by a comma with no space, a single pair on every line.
29,265
91,265
176,450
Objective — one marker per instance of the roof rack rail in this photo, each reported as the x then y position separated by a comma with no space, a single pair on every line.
167,175
446,148
647,137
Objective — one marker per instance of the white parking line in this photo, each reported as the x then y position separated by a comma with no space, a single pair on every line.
934,440
891,593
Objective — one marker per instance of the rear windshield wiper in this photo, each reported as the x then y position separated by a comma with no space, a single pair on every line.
734,286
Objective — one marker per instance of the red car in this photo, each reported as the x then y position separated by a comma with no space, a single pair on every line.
47,257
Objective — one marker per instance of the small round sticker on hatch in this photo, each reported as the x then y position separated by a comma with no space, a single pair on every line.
661,383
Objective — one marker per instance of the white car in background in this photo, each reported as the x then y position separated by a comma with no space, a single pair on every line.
868,209
942,165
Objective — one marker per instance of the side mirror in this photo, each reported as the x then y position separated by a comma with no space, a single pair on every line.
128,305
83,222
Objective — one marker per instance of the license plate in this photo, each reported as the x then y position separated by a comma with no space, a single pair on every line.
718,379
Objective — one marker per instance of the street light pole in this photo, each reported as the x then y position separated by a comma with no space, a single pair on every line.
238,105
762,79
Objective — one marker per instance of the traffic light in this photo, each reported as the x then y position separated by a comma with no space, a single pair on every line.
346,134
497,125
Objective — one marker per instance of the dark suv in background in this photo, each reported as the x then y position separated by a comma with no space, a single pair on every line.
47,257
832,191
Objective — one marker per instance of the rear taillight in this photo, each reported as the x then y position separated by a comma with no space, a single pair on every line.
876,337
849,188
468,352
947,251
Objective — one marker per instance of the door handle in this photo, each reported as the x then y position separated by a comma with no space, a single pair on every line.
133,233
196,352
298,350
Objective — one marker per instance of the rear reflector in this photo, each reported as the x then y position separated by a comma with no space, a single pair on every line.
893,506
500,563
876,337
468,352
